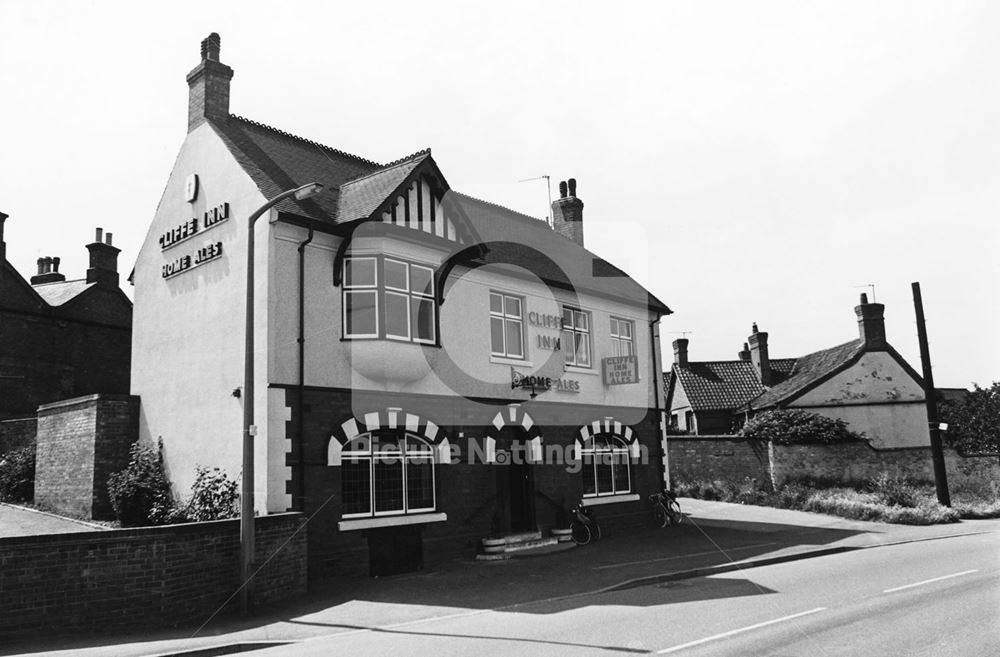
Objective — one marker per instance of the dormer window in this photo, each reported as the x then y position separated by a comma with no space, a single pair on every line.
389,298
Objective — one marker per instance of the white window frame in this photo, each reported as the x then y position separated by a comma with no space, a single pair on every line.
371,455
355,288
570,333
617,447
505,317
618,338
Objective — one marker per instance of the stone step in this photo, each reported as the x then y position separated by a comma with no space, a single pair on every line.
531,544
524,537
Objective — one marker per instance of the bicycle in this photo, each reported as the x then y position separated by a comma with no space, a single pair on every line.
666,508
584,527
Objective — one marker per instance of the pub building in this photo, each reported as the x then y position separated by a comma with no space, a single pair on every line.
430,369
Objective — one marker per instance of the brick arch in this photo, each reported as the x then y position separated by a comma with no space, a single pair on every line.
353,427
514,416
611,427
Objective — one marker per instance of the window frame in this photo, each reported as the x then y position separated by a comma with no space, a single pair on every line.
371,455
383,292
590,448
504,318
570,333
617,339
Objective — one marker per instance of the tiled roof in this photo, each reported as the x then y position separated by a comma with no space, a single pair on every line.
531,244
56,294
807,371
719,385
278,161
360,197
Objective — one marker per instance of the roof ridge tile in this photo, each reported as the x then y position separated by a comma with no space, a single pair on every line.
304,140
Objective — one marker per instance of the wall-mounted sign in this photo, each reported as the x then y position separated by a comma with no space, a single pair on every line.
191,188
542,383
544,320
207,253
191,227
621,369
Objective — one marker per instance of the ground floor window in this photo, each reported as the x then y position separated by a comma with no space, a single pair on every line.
606,466
387,473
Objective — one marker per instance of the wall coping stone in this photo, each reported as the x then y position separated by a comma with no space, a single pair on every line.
86,399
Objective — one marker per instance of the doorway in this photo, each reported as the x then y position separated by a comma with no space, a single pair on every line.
515,483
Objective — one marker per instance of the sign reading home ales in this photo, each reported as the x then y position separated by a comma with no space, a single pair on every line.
621,369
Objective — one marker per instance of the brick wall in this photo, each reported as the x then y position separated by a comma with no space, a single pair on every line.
15,434
81,442
143,578
731,458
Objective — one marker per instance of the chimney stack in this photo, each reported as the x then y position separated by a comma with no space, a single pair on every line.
103,262
567,212
3,245
208,84
48,272
681,352
758,355
871,323
745,354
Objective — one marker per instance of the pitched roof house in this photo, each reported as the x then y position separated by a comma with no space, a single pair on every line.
62,338
864,382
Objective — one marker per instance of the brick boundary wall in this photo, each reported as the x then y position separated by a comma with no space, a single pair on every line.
95,582
80,443
731,458
15,434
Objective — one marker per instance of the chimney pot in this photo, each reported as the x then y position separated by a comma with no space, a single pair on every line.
562,189
864,298
572,187
107,238
759,355
41,266
745,354
681,352
3,245
871,324
55,265
100,235
567,212
208,85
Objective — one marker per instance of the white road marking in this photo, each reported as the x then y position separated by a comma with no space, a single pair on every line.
928,581
742,629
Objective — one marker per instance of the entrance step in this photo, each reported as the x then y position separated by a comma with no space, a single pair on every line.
520,545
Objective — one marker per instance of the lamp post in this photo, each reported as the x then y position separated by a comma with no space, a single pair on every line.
249,430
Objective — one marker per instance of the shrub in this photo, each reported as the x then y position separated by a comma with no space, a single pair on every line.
784,427
140,494
214,496
895,491
17,475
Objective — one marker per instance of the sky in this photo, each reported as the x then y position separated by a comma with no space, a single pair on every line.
746,161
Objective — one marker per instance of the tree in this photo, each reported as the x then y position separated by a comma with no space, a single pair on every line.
974,421
788,427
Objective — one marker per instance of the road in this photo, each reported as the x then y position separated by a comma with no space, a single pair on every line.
939,597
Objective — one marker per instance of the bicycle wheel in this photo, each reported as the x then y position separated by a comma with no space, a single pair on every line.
675,512
580,533
662,519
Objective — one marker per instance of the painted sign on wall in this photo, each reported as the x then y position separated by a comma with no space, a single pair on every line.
621,369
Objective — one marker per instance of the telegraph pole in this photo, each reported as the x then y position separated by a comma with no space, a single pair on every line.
937,453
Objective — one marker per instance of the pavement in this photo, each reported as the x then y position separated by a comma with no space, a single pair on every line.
717,537
25,521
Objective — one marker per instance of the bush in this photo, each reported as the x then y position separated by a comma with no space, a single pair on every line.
784,427
974,421
896,491
17,475
140,494
214,496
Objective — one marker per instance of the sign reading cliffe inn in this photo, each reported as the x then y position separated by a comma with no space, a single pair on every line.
210,218
621,369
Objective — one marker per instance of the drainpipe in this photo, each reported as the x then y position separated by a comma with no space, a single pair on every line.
660,420
298,503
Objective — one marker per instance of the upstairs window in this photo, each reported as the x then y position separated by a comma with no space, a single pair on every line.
389,298
576,330
506,326
622,334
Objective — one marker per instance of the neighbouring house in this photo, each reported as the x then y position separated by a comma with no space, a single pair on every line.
429,369
864,382
62,338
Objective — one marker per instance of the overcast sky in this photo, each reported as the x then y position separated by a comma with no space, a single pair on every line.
747,161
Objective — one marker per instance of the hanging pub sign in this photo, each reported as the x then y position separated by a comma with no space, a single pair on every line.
538,384
621,369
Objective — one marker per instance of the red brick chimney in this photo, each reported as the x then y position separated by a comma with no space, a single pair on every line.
208,83
3,245
681,352
567,212
871,323
48,272
103,262
758,354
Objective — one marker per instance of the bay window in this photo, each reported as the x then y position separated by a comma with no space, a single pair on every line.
388,298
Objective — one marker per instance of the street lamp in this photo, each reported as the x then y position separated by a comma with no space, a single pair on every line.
249,430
